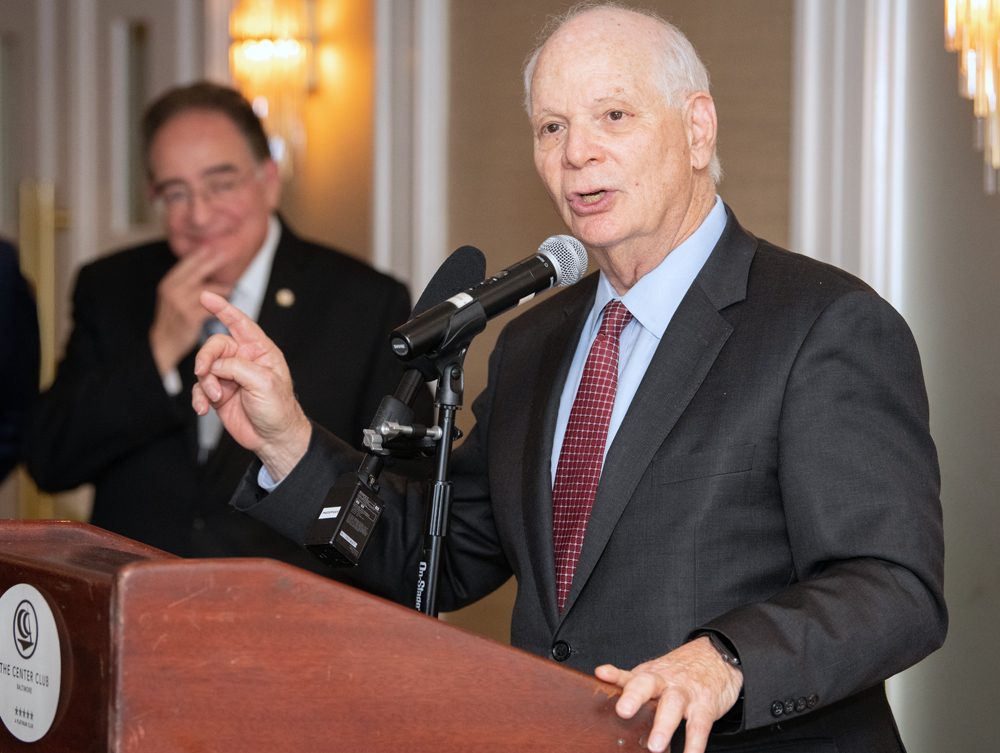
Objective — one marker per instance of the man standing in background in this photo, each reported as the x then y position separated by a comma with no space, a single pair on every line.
118,414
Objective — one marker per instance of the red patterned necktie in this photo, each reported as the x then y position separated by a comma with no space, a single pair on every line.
582,453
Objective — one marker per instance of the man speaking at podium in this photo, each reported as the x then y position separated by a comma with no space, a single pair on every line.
762,547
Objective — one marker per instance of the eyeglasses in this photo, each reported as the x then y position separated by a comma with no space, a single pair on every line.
220,189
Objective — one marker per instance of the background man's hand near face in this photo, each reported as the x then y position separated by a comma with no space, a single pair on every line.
179,314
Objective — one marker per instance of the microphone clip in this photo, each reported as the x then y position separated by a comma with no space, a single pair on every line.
391,438
441,331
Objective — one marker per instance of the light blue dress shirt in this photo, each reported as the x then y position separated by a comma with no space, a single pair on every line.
652,301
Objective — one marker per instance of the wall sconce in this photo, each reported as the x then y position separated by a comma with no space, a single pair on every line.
273,63
972,29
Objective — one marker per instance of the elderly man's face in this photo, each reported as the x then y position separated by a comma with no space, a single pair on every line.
215,197
617,161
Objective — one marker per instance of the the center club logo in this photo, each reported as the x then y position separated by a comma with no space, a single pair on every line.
25,629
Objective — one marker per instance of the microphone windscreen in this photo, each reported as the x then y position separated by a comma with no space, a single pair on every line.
463,269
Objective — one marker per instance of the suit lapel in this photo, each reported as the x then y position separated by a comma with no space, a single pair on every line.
280,321
537,494
691,343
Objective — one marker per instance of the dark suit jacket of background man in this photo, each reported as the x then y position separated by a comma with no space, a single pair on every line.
107,419
773,480
19,355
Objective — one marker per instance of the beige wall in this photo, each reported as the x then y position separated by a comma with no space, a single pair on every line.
329,198
497,202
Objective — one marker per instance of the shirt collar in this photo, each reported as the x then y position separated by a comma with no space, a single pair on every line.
248,295
656,296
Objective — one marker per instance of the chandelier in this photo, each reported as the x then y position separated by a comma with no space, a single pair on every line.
972,29
269,58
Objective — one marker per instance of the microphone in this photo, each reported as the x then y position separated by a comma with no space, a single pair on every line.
464,268
352,506
561,260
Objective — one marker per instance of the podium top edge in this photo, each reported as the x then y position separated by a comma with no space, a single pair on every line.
73,545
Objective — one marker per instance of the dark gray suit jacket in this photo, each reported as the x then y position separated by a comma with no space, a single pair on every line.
774,480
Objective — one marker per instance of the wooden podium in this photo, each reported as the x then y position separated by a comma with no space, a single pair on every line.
164,654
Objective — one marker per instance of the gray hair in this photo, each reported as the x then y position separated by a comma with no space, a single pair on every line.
681,70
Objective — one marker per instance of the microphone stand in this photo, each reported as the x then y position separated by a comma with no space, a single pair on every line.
437,504
448,361
352,506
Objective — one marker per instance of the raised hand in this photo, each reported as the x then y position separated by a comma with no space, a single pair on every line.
244,376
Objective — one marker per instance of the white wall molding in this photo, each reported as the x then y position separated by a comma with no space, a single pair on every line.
84,229
826,128
47,92
118,115
410,212
807,120
217,41
847,137
186,56
882,229
391,241
430,166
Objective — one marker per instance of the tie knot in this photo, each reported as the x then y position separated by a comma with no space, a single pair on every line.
616,317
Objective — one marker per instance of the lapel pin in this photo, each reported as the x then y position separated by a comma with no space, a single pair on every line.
284,298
